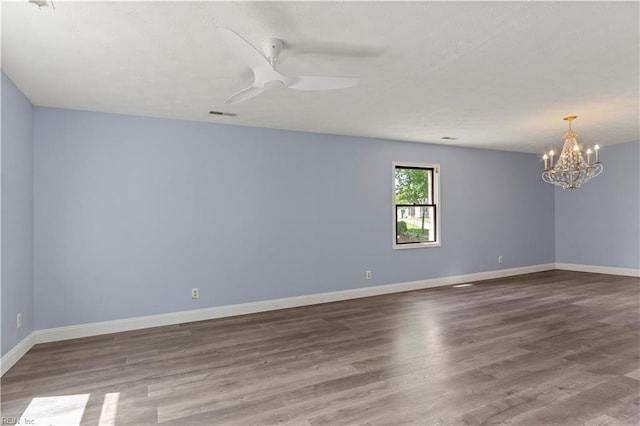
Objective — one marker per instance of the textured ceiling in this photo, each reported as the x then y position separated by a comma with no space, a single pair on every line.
497,75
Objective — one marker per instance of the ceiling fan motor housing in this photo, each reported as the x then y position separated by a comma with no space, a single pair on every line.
271,47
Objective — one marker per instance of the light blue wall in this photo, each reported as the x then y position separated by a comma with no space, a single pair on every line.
132,212
599,224
17,215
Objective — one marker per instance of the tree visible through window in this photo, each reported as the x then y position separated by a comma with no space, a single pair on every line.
415,199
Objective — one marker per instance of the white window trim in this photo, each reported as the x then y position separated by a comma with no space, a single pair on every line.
436,201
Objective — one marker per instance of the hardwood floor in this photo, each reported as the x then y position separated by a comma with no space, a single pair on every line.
551,348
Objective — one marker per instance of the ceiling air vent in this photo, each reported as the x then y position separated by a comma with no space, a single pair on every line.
226,114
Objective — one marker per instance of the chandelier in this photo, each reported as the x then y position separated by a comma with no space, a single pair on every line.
571,171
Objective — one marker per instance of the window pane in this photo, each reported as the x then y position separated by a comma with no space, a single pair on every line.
413,186
415,224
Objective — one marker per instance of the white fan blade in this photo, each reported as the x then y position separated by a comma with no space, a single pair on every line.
244,94
306,82
244,50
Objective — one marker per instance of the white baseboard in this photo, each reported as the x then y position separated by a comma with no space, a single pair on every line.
136,323
628,272
115,326
14,355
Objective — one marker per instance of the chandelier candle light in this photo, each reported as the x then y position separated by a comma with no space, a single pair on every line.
571,170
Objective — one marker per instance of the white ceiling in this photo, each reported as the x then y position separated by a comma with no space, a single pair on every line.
497,75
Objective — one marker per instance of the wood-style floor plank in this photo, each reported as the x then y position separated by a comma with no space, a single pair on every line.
551,348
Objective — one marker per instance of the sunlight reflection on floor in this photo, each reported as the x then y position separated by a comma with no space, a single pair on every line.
109,409
65,410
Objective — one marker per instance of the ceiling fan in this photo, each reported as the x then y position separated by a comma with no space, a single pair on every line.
265,75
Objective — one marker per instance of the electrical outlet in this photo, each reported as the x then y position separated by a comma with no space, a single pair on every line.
499,259
19,320
195,293
367,275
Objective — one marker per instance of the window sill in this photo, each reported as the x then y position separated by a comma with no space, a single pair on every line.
415,245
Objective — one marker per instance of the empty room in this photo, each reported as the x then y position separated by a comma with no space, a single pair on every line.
320,213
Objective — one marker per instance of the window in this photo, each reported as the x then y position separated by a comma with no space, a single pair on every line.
416,205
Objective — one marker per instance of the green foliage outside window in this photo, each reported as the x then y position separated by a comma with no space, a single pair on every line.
412,186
